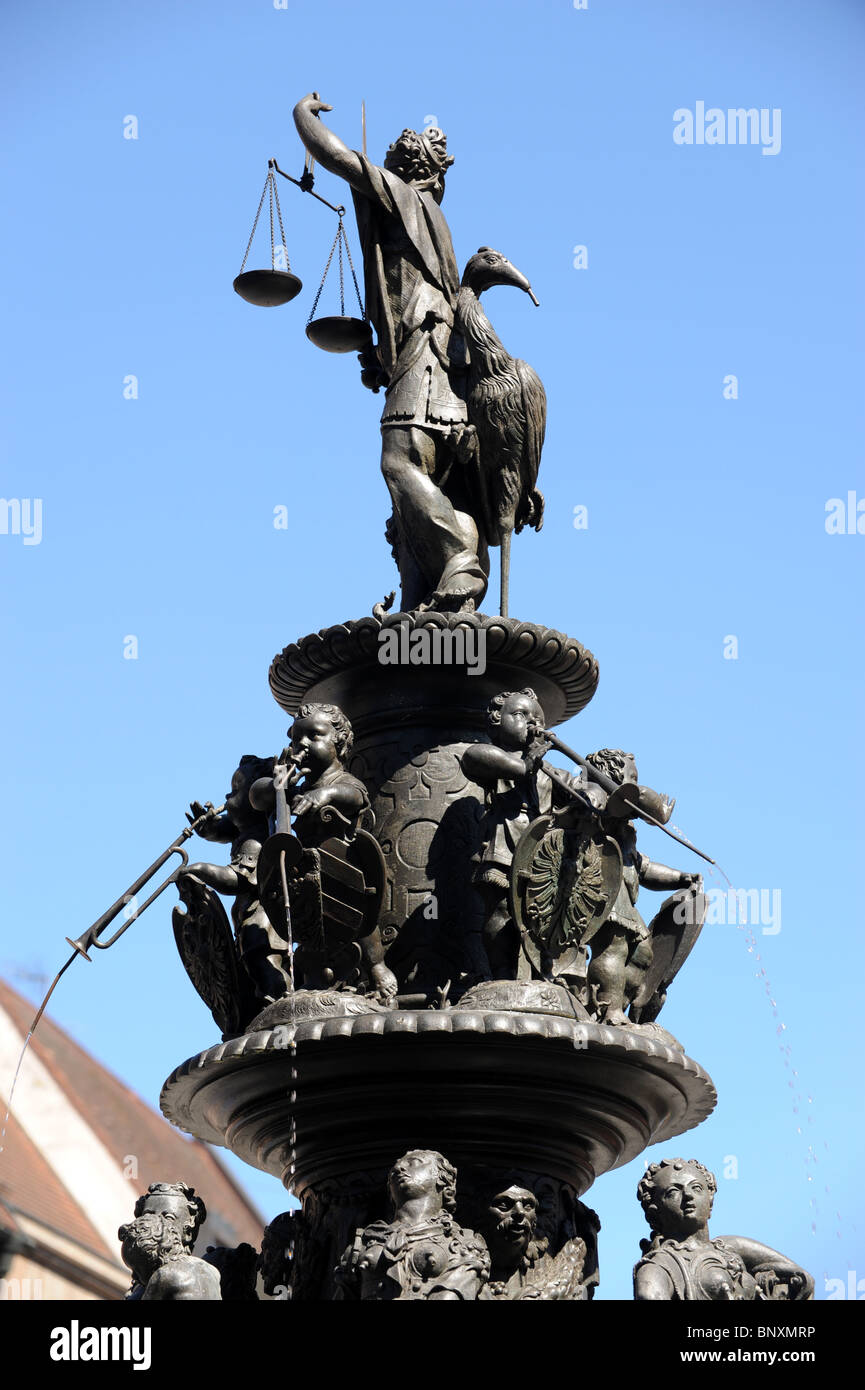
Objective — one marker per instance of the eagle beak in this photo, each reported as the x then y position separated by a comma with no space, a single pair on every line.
509,275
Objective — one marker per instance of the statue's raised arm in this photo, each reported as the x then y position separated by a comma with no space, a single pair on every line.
323,145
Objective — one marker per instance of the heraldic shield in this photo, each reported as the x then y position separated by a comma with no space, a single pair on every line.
334,899
205,943
674,930
564,882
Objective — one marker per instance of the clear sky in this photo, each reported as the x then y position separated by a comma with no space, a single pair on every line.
706,513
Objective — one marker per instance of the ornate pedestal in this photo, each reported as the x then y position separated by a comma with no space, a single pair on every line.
326,1090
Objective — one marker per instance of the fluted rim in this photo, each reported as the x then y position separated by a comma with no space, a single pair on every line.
599,1038
542,652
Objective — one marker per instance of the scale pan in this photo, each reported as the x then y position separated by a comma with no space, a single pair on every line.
339,333
267,288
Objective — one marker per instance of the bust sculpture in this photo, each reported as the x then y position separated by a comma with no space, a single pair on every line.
521,1266
421,1252
682,1262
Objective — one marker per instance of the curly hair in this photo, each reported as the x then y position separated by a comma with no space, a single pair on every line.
646,1185
496,705
343,734
612,761
157,1231
421,158
181,1194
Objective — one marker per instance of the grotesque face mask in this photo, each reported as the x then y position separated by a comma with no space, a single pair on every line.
511,1218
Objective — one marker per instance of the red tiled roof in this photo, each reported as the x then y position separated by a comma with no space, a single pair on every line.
30,1184
125,1124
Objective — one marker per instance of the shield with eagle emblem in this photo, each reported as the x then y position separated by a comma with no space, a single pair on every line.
564,882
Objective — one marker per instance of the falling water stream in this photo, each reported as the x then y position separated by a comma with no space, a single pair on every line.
30,1031
787,1055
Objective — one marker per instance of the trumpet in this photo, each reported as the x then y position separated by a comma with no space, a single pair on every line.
609,786
90,938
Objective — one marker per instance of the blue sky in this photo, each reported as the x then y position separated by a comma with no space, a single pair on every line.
706,515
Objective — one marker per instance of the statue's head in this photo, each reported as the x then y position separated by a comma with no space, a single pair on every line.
237,1266
237,803
676,1196
246,855
620,766
274,1262
507,1222
148,1241
421,158
175,1200
419,1173
178,1200
320,736
513,716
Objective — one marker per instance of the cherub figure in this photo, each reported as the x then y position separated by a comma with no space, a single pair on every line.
622,946
262,950
681,1262
321,742
311,780
518,790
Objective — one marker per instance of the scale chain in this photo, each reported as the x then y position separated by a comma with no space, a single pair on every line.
341,278
353,276
324,276
255,223
287,265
